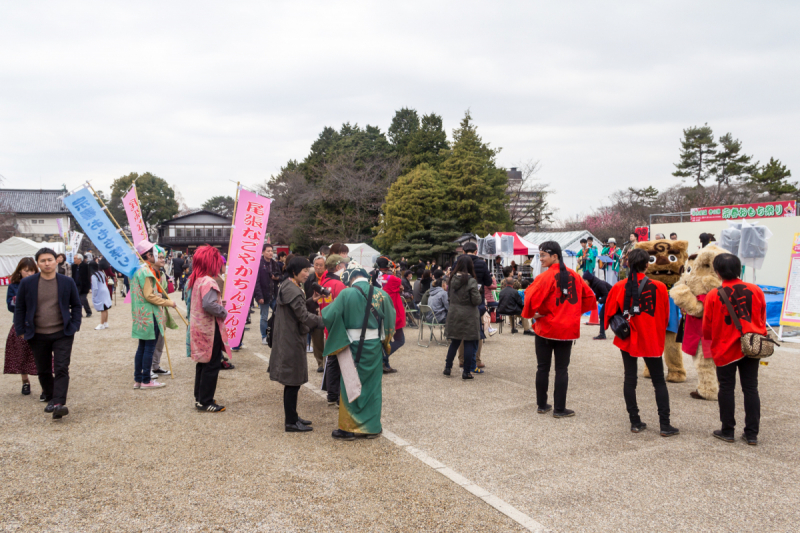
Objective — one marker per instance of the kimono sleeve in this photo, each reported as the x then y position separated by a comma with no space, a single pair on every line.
333,317
536,294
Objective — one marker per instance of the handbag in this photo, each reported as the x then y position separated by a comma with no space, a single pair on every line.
619,321
270,328
754,345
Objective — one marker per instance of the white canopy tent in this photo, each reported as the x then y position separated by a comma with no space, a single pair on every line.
570,242
15,248
363,253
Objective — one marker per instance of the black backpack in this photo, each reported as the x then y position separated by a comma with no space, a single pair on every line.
619,320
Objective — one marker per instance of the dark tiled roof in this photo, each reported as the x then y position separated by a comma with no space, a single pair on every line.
39,201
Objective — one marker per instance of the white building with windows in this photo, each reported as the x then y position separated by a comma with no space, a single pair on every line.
35,213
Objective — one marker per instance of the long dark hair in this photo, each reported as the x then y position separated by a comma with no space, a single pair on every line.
26,263
553,248
463,264
637,262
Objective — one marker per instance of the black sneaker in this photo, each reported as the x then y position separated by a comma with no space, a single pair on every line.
563,414
388,370
227,366
529,332
161,372
43,398
466,375
752,441
50,407
669,431
211,408
298,427
320,370
446,371
638,427
545,409
338,434
599,338
26,389
721,436
514,330
333,402
59,411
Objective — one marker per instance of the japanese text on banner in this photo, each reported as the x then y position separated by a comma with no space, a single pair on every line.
101,231
134,212
244,258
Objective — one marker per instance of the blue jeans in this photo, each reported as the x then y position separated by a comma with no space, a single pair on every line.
265,307
396,343
143,361
470,349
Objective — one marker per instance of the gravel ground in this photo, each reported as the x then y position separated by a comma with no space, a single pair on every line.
147,461
126,460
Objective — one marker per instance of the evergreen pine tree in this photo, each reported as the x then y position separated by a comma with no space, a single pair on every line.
730,163
698,151
439,238
771,179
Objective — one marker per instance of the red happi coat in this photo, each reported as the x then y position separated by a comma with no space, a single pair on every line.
394,287
649,327
751,308
561,313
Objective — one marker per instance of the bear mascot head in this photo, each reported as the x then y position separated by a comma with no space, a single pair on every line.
667,260
698,279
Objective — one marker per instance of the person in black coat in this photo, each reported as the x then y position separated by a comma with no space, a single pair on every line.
50,334
510,303
80,274
600,289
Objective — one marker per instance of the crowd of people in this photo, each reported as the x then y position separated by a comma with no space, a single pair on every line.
353,321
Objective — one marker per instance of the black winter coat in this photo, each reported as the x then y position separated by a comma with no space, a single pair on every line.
463,318
510,302
599,287
267,288
482,274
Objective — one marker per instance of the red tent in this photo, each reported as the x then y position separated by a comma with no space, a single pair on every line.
521,246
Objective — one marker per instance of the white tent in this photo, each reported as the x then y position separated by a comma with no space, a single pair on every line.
570,242
363,253
15,248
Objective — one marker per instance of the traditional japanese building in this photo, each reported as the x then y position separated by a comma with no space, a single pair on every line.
187,232
34,214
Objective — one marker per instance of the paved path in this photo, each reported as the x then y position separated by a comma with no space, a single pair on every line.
127,460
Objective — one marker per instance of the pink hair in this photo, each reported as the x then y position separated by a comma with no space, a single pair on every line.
206,261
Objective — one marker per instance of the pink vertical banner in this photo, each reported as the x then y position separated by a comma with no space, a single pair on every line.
134,212
244,257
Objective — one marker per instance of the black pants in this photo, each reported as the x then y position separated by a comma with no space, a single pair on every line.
53,352
85,304
602,314
656,368
206,374
546,350
290,403
748,378
332,376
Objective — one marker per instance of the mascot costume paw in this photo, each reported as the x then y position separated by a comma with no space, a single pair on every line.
689,294
667,264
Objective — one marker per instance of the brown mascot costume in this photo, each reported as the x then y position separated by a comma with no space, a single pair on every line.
667,262
689,294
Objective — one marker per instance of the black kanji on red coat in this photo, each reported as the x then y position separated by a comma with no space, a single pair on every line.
647,301
742,301
571,295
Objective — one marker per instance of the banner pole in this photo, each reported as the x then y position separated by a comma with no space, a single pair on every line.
233,218
114,220
169,361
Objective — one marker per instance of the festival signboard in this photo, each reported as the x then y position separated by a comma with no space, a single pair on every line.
101,231
642,233
73,245
733,212
790,312
134,212
244,258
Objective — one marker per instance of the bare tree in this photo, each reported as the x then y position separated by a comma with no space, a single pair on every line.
527,198
291,197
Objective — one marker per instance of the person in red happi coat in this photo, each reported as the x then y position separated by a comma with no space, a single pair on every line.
645,304
750,307
556,299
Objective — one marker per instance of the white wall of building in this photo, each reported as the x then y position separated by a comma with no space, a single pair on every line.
776,263
39,224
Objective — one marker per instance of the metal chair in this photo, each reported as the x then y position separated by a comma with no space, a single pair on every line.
410,311
425,312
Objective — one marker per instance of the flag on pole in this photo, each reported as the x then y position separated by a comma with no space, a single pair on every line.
134,212
101,231
244,258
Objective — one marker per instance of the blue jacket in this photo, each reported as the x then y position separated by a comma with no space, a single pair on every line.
28,295
12,291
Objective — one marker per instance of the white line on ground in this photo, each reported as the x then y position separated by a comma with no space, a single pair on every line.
507,509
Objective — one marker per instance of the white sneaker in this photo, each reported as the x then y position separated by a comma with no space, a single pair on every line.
309,349
264,341
101,326
153,376
106,325
492,331
153,385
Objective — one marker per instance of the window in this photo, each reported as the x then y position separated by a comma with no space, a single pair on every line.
41,222
209,232
179,232
172,231
218,232
34,221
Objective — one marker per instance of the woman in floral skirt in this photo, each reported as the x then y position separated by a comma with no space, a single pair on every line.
19,357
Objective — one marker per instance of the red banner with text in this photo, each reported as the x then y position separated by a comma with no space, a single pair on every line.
734,212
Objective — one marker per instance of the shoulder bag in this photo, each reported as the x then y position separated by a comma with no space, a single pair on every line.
754,345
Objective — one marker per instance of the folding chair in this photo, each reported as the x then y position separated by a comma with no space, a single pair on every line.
425,312
410,311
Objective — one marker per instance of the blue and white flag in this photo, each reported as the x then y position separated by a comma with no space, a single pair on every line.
101,231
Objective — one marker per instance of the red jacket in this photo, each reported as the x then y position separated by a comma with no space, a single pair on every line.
751,308
394,287
329,281
648,328
561,313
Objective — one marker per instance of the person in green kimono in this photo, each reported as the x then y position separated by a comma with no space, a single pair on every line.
587,256
360,399
612,269
149,315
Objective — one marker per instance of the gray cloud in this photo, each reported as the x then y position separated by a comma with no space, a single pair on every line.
200,93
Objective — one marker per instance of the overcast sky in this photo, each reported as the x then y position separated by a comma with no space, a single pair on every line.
200,93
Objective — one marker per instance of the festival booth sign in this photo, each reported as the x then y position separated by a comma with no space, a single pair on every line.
244,258
642,233
102,232
134,213
734,212
790,311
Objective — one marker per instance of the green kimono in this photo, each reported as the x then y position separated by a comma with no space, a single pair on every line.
143,312
347,313
615,255
591,259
